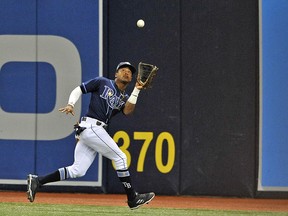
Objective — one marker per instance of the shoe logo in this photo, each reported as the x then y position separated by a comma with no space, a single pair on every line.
140,201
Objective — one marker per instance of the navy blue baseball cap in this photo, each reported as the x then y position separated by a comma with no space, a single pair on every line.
126,64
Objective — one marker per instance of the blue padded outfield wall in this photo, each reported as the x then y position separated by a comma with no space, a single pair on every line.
47,49
273,160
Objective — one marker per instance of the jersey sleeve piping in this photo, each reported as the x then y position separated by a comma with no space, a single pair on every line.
83,88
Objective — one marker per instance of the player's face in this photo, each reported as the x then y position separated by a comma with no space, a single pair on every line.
124,75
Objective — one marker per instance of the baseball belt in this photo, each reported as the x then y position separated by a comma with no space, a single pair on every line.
94,122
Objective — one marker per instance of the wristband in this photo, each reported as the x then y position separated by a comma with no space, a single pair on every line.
71,104
134,95
74,96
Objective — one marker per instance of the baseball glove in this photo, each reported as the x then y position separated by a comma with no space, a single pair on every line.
146,73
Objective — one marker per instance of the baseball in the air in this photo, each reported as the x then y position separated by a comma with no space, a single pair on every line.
140,23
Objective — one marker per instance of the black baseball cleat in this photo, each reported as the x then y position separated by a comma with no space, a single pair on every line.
32,186
140,200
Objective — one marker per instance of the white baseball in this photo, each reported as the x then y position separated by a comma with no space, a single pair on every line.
140,23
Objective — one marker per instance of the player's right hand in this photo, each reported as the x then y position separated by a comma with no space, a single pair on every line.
68,109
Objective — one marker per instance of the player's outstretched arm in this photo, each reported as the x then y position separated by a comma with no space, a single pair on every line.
73,98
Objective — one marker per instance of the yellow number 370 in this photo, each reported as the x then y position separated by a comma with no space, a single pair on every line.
147,138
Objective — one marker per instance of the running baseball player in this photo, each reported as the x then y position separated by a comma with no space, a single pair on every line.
108,98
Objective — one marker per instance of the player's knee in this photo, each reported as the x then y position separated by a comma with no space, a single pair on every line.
121,162
76,171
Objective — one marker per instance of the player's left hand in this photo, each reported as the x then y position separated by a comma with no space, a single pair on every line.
68,109
138,86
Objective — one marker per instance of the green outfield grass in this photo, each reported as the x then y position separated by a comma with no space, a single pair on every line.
28,209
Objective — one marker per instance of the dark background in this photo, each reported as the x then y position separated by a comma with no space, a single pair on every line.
205,93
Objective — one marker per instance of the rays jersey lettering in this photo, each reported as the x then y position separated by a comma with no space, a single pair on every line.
112,99
106,99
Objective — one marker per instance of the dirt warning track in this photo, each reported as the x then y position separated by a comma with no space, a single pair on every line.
280,205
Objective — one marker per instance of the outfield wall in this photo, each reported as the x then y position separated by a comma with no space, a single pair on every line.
47,49
204,96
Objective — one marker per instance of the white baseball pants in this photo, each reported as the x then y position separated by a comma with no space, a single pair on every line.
92,140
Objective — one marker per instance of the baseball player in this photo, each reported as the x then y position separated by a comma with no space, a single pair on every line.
108,98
